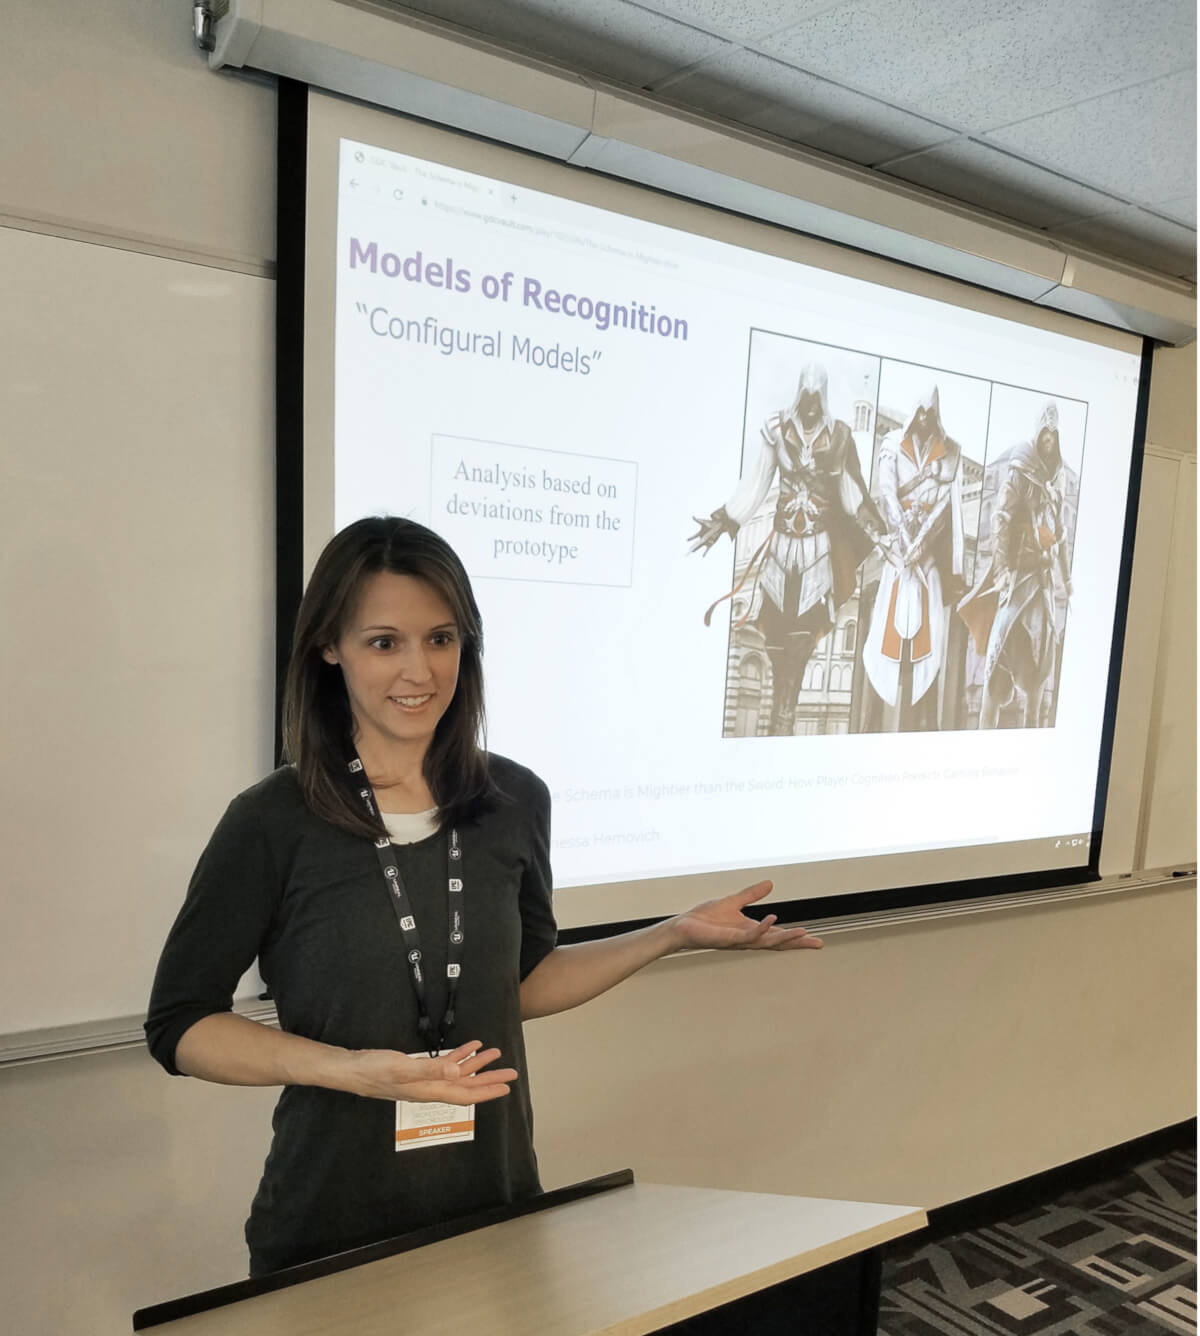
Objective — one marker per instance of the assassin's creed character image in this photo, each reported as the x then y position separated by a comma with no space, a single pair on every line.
824,525
919,487
1016,612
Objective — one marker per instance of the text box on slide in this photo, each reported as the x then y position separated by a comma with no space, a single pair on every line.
517,512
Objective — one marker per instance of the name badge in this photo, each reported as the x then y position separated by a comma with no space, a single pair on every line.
432,1124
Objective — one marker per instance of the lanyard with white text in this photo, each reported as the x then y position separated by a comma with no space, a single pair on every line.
433,1040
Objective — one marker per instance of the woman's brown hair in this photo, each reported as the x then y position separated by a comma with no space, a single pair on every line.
318,728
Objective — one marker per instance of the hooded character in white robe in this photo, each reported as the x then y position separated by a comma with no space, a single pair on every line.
1016,612
825,524
920,493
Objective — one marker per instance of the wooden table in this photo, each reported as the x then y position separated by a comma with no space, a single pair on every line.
633,1259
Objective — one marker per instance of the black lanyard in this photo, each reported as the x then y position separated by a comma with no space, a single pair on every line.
433,1040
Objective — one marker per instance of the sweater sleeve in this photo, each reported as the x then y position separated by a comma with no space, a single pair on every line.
539,932
217,934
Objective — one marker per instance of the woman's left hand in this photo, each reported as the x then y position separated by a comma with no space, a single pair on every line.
720,925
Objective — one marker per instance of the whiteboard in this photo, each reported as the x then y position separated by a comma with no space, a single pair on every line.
137,582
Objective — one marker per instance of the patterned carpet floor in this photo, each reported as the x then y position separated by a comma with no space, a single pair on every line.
1110,1260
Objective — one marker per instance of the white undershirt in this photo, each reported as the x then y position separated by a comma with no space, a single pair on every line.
409,827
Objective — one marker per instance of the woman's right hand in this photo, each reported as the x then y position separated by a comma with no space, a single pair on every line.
457,1078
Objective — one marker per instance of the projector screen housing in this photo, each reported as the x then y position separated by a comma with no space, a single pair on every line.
437,71
629,369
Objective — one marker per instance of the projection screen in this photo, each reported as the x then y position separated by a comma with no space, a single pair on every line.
793,562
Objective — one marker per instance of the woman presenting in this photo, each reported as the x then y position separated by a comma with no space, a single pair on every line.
393,882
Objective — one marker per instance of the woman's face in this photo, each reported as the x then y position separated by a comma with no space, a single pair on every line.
399,654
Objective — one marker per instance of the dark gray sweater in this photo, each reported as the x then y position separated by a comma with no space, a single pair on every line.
310,902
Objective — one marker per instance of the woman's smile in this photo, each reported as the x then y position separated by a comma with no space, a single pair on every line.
399,656
412,704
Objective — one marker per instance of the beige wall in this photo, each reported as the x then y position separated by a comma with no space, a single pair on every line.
1171,423
919,1063
136,141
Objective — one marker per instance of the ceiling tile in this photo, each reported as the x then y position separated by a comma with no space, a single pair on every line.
1182,210
1000,183
1141,238
1139,143
762,93
741,20
978,64
619,40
